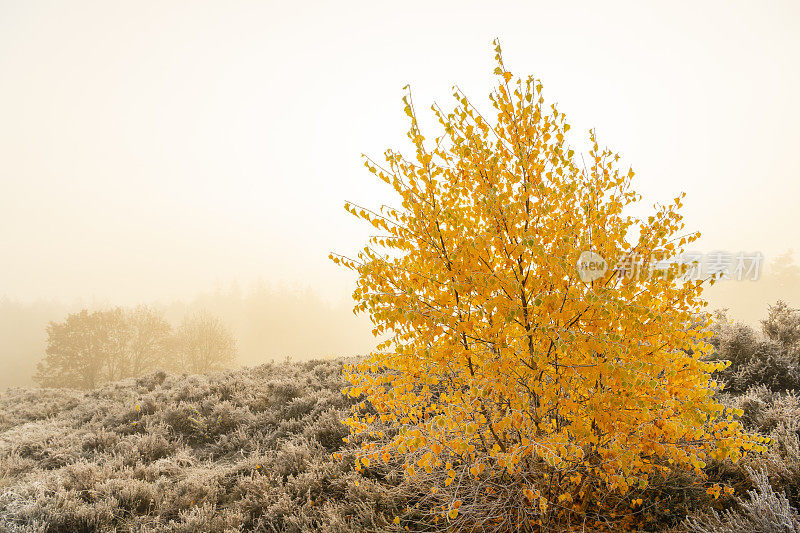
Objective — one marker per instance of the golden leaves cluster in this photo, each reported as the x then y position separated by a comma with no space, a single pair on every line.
496,355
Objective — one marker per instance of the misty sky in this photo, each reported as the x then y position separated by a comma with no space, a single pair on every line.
152,149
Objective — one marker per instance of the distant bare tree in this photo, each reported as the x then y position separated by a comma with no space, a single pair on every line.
113,333
82,351
148,340
203,343
91,348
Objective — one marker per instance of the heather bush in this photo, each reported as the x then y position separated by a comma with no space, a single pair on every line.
227,451
776,415
763,511
782,325
770,357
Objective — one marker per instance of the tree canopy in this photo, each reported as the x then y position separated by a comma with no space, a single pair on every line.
91,348
558,396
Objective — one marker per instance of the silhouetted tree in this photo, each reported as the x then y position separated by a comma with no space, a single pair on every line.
148,340
203,343
83,351
89,349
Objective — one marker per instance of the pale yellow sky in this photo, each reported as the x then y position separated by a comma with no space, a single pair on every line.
149,149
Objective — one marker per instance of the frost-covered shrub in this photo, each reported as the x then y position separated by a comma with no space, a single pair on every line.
775,415
771,366
327,430
763,511
770,357
229,451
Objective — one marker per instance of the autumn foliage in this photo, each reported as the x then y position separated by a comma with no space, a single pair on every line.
560,400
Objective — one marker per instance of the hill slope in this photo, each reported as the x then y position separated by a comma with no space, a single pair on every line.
248,449
251,450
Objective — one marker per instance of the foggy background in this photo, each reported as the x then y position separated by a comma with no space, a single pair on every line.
196,155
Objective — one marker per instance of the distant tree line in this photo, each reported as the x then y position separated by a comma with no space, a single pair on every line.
88,348
263,318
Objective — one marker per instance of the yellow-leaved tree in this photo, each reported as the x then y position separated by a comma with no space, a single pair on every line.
524,397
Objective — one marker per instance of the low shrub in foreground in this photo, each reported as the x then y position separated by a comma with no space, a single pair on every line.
241,450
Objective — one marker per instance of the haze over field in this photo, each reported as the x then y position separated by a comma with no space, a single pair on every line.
195,197
157,151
